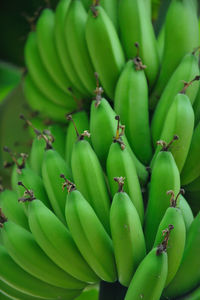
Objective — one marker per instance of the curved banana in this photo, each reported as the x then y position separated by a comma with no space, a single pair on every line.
60,248
36,155
90,236
17,278
89,178
120,164
131,103
181,109
149,279
190,264
41,103
176,244
186,211
12,209
61,46
42,79
53,165
191,169
135,26
58,132
82,123
186,71
14,294
24,250
127,235
76,43
104,47
111,8
179,40
46,44
165,176
103,129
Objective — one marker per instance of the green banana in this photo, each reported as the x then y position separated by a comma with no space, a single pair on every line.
191,169
190,264
111,8
179,40
103,128
36,155
161,42
61,46
24,250
176,244
165,176
76,43
60,248
53,165
90,236
186,212
181,109
12,209
87,4
46,44
194,295
149,279
131,103
42,79
12,293
119,163
82,123
135,26
127,235
39,102
17,278
58,134
89,178
104,47
186,70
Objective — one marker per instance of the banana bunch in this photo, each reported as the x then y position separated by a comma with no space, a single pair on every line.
102,198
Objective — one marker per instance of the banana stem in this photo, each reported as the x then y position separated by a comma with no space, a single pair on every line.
111,291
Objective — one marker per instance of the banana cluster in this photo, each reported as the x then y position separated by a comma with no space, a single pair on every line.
101,199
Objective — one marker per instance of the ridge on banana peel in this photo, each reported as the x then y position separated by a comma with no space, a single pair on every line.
69,223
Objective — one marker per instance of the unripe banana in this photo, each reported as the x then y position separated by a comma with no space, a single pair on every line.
191,169
193,186
36,155
103,129
87,4
12,209
11,293
22,281
187,70
76,43
190,264
161,42
149,279
179,40
186,212
24,250
58,134
131,103
105,48
90,236
135,26
176,244
82,123
111,8
41,103
195,295
61,247
119,163
180,110
127,235
61,46
46,44
89,178
165,176
54,165
42,79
